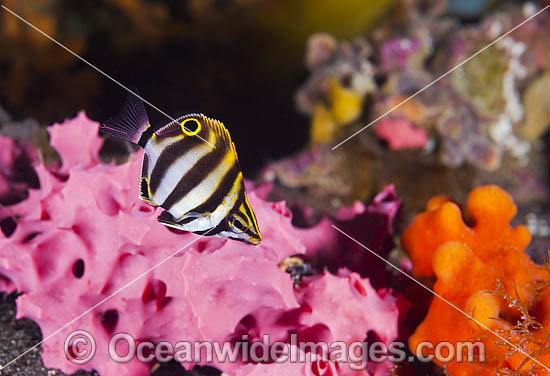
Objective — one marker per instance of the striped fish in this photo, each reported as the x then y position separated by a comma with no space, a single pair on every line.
190,169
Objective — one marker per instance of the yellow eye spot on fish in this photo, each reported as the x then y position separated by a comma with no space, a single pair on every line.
191,127
200,187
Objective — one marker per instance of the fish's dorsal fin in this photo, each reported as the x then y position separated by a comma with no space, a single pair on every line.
176,128
221,131
130,123
183,126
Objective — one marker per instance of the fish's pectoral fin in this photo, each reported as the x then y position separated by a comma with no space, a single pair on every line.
130,123
190,215
144,190
194,216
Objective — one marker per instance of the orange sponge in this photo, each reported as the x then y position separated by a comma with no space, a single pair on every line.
482,270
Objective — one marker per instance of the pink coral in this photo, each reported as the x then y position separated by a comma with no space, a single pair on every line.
84,237
400,133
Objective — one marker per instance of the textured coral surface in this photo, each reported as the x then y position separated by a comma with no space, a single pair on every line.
400,133
84,236
483,270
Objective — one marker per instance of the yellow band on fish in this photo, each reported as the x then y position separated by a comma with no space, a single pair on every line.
184,129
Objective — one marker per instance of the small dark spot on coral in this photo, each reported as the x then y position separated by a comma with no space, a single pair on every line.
161,303
45,216
76,229
61,177
173,368
4,280
201,246
316,333
109,319
371,338
106,288
146,350
155,290
148,293
145,209
247,323
291,317
31,236
8,226
72,351
359,287
78,268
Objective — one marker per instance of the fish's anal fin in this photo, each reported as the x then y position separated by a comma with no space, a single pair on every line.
187,220
130,123
167,219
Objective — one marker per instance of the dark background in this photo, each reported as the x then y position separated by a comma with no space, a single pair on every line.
239,61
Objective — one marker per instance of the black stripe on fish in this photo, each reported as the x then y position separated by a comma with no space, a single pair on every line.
222,190
145,136
222,226
195,175
170,154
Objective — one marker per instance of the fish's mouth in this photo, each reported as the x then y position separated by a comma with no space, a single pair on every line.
254,241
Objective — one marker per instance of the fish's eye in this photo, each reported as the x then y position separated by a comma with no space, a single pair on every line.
237,223
190,127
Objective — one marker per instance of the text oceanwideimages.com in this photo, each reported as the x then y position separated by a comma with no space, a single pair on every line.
80,348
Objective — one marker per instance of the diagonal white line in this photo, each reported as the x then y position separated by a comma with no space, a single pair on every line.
439,78
99,70
2,367
440,297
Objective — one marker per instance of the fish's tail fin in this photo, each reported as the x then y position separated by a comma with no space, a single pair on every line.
130,123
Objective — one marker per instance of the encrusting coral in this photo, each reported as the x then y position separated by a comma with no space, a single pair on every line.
480,124
483,270
84,234
341,77
488,117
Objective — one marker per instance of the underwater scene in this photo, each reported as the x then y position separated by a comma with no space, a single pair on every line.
274,187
